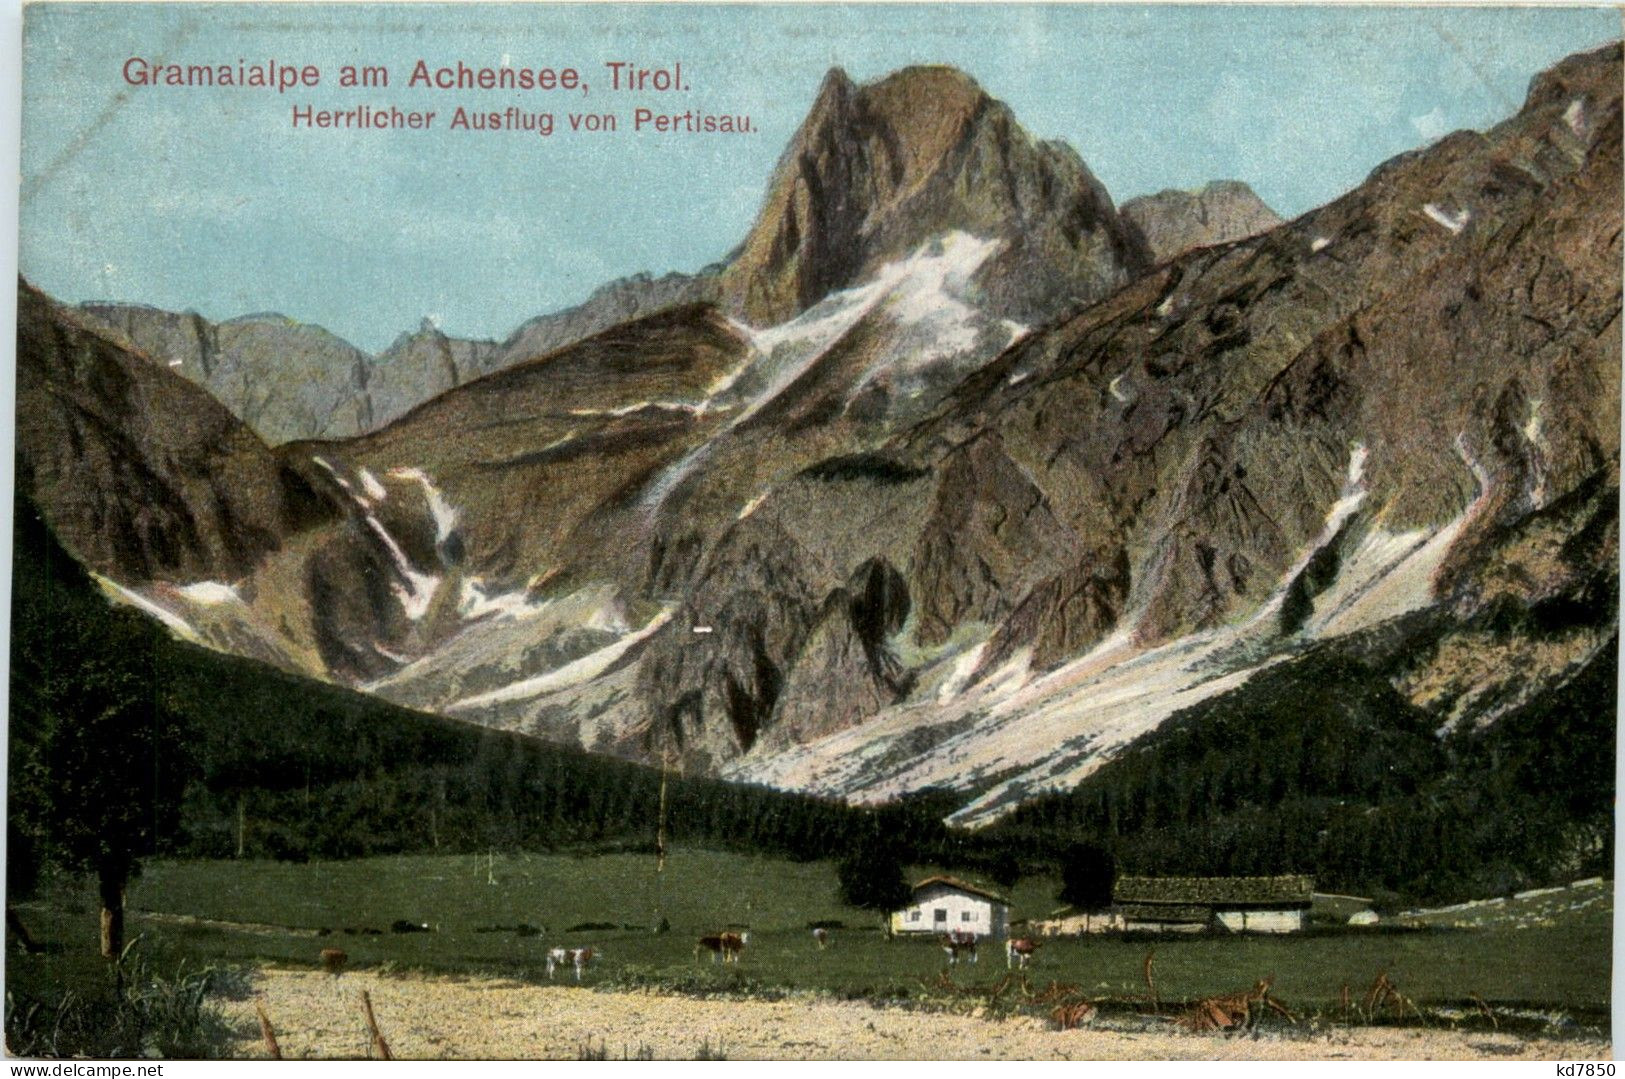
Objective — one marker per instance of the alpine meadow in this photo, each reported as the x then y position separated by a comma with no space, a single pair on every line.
1119,625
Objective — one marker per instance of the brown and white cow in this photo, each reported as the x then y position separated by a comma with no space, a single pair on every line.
725,946
958,943
575,957
821,938
1018,950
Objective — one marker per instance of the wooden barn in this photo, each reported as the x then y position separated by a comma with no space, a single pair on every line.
947,904
1194,904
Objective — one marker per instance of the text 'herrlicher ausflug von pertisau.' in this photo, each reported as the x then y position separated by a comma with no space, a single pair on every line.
529,106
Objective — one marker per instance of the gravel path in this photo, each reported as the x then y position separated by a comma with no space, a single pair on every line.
316,1016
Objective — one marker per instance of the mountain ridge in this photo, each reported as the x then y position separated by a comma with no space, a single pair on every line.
293,381
902,540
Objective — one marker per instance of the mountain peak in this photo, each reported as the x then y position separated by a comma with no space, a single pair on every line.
927,88
837,83
1172,222
876,170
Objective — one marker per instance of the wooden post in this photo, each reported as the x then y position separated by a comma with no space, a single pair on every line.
110,887
266,1032
242,822
660,828
372,1025
437,800
1151,978
660,844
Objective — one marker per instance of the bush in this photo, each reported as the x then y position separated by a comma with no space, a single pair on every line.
141,1014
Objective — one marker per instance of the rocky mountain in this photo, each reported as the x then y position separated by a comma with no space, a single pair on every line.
864,526
1301,436
414,368
875,171
1172,222
289,380
145,475
619,301
284,379
152,483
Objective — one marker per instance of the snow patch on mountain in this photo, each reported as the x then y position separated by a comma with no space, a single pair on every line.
117,592
473,602
1454,221
1575,117
1387,575
337,478
415,590
393,657
210,593
1392,573
1535,433
922,295
505,636
922,299
575,673
691,407
369,483
445,517
1017,734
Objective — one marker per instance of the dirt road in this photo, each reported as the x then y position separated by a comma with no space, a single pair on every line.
317,1016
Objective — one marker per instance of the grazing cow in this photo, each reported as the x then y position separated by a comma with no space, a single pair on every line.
725,946
1018,950
958,943
401,925
333,960
576,957
821,938
711,942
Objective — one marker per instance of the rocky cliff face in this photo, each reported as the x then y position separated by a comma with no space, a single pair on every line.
1298,435
888,536
1170,223
416,367
284,379
144,475
877,170
619,301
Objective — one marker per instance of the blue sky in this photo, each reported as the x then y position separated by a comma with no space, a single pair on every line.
207,199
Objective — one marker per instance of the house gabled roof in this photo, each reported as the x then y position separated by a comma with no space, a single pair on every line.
963,886
1292,890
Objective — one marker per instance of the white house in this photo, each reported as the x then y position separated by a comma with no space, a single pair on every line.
946,904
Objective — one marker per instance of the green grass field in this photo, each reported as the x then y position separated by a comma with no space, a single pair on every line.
1562,966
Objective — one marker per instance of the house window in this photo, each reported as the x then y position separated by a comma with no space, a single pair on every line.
967,916
913,915
942,915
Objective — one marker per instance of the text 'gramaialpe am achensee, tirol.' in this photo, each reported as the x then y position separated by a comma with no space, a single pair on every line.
618,76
